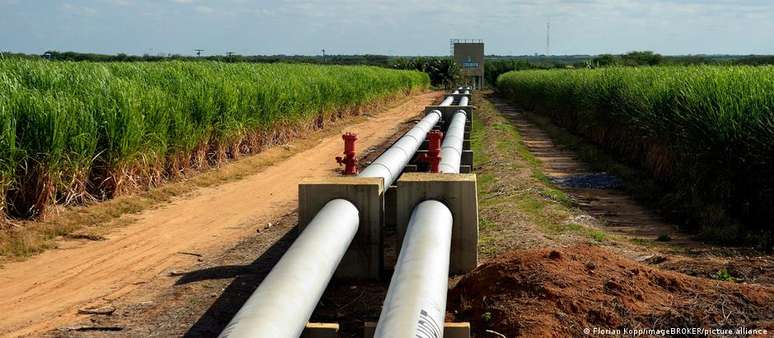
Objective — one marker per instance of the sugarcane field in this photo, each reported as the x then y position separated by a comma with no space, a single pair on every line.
373,169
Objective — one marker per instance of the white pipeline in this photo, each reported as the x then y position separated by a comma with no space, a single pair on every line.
447,102
391,163
285,300
464,101
451,149
283,303
416,300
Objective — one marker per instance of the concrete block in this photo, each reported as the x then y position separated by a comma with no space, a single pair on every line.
466,169
466,144
450,330
321,330
364,259
458,192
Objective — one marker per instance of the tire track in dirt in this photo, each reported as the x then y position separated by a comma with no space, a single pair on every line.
45,291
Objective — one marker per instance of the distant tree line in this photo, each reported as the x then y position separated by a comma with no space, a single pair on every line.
374,60
442,70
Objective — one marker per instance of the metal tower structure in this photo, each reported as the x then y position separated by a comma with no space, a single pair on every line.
548,38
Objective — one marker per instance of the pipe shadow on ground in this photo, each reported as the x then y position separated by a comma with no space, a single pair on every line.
248,277
347,302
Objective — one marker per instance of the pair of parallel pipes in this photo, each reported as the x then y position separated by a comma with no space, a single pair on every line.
415,305
462,90
285,300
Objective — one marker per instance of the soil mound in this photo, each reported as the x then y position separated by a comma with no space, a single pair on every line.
561,292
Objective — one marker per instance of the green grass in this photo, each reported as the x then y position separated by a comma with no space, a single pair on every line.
705,132
73,131
724,275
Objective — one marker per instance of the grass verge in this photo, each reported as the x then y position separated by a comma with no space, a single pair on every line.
519,207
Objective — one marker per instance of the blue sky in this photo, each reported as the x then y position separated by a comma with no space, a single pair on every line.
392,27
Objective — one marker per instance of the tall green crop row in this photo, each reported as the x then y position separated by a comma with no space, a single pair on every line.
706,131
70,132
7,139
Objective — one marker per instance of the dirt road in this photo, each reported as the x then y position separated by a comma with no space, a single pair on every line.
46,291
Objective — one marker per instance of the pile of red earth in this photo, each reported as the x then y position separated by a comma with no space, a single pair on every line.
563,291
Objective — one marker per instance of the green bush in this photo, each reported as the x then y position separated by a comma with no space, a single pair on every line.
443,71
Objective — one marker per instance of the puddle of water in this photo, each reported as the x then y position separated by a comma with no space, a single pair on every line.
590,181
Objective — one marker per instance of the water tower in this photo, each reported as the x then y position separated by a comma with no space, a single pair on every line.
469,56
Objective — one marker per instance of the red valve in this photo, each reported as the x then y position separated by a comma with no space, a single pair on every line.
433,154
349,161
